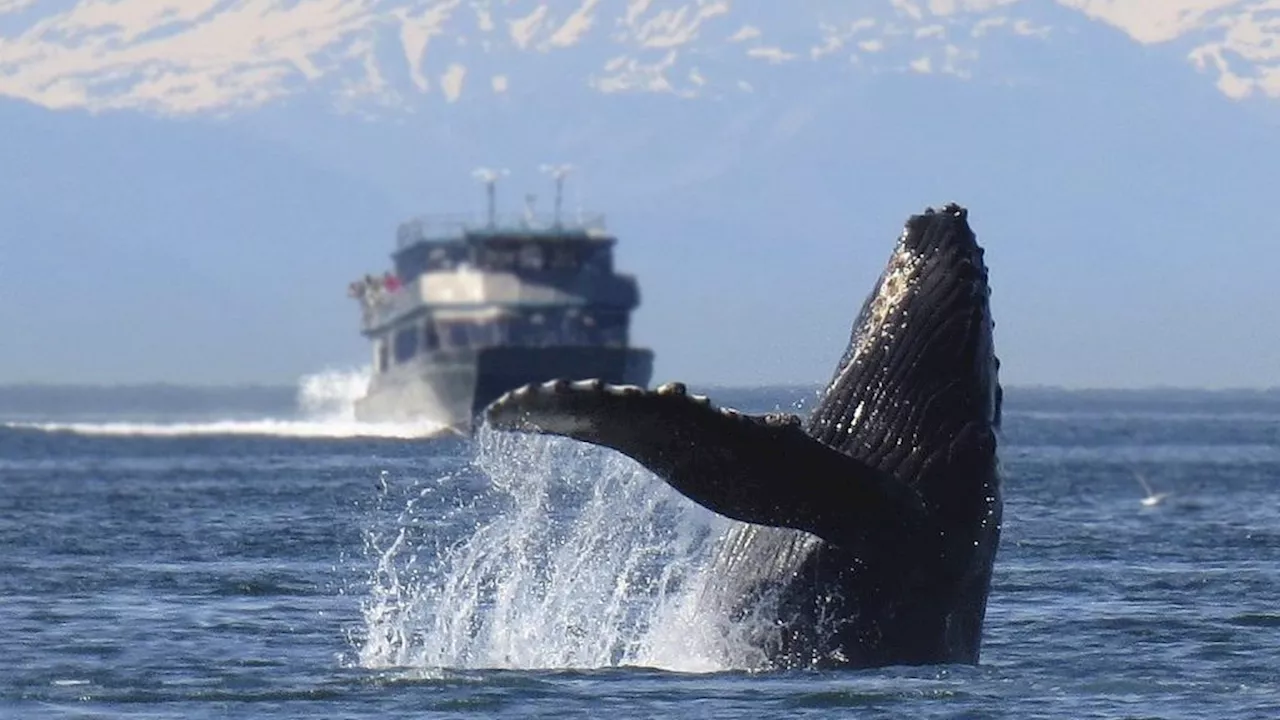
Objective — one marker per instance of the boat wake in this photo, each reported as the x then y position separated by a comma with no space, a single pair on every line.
543,554
266,427
325,408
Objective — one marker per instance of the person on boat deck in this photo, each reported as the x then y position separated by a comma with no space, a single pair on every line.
390,282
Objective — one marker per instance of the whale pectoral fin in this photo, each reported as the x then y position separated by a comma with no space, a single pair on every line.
759,469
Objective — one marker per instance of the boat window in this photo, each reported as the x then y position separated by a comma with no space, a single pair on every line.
531,257
502,330
518,331
406,343
444,257
563,258
498,259
457,334
484,334
611,319
598,260
610,328
572,330
430,339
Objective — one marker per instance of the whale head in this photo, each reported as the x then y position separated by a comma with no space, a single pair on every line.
920,369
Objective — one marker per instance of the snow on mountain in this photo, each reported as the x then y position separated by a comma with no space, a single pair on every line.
181,57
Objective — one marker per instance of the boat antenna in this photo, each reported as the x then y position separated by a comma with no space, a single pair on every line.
558,173
490,178
529,217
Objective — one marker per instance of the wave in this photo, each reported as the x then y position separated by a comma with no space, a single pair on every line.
325,409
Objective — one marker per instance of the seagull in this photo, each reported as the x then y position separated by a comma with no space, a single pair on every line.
1153,498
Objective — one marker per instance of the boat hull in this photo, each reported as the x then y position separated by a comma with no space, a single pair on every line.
451,387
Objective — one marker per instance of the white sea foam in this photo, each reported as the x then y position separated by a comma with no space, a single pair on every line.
326,409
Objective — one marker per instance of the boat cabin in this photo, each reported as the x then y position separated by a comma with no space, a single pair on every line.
499,285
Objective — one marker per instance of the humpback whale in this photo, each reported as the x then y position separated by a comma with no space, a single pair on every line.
868,532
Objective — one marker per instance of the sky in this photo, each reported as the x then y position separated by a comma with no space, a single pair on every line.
188,187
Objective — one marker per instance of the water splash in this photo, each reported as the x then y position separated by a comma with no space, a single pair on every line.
552,554
326,409
331,395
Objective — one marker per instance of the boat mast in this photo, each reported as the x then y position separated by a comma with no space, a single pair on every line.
490,179
558,173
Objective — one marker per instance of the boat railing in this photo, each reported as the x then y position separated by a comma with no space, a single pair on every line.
454,226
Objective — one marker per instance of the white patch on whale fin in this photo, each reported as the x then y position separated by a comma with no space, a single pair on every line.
589,410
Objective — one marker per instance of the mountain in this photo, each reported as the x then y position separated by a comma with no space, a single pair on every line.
186,187
201,56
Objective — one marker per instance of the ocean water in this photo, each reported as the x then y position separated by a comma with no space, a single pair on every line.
261,556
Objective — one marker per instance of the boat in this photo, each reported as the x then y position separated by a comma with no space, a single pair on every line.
475,307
